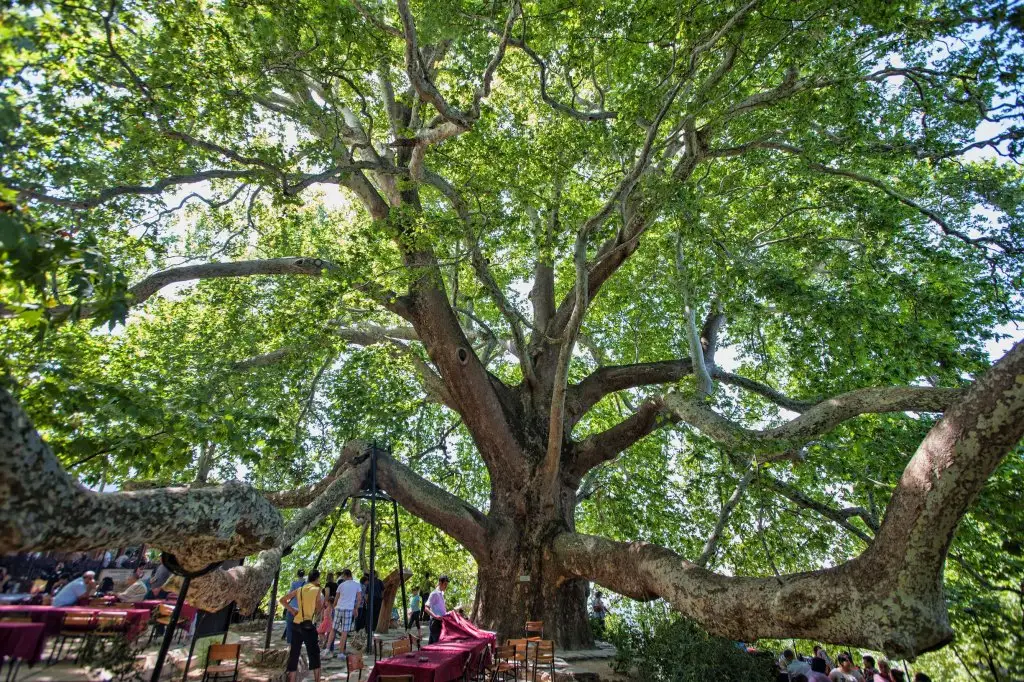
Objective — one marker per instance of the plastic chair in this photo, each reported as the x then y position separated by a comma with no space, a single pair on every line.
217,654
354,662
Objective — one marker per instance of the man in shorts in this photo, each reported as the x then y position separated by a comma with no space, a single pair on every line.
350,599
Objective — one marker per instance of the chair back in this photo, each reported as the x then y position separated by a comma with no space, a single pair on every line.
415,642
78,621
14,618
223,652
164,611
99,602
521,647
354,662
535,628
396,678
400,646
544,652
112,621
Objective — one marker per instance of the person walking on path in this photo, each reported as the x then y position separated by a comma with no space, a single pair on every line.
310,602
350,600
436,608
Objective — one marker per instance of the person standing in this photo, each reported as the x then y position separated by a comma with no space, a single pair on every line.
436,608
416,608
844,670
600,610
350,600
310,601
76,589
332,590
288,616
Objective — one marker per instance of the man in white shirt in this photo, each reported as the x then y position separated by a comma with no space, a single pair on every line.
70,593
436,608
350,599
794,666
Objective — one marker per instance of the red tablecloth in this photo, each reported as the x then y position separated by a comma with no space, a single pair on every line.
24,641
53,616
445,661
455,626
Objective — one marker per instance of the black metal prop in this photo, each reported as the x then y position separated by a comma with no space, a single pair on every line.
401,568
371,588
171,562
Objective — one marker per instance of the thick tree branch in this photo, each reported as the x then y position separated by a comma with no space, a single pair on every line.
111,193
434,505
890,598
815,421
42,508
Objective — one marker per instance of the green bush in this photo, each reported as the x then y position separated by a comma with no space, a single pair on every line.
664,647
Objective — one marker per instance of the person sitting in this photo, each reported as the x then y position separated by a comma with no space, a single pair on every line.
75,590
137,590
106,586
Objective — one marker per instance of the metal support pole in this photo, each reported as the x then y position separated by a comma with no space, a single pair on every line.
316,564
169,632
401,568
272,608
371,586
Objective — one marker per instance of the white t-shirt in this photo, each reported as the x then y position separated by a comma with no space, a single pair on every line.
798,667
347,593
837,675
436,603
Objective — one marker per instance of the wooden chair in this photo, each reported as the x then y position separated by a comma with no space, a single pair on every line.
535,629
110,624
74,626
14,618
415,642
400,646
99,601
502,663
520,655
544,657
396,678
215,657
354,662
162,618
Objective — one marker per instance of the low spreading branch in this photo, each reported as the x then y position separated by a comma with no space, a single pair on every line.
890,598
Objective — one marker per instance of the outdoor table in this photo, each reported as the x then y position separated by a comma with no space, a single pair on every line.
444,662
23,641
52,617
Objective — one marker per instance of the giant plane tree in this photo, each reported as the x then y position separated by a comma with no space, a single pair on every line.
769,240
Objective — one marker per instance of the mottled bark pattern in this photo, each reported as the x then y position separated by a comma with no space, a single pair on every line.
43,508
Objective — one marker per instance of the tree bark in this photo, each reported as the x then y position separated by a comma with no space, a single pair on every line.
43,508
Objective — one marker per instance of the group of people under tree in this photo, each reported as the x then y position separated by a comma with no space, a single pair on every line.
819,667
342,607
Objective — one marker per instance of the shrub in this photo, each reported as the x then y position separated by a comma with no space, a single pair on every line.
664,647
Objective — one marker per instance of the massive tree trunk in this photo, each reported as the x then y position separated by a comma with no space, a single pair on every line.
521,579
